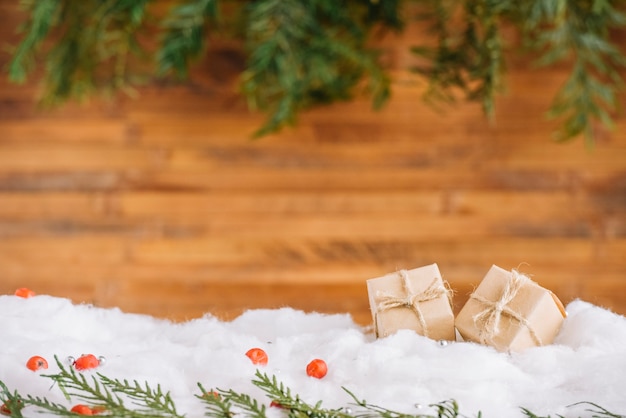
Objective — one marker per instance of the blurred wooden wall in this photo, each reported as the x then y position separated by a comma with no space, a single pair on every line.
164,205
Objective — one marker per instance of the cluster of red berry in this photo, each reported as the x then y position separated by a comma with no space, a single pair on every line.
82,363
316,368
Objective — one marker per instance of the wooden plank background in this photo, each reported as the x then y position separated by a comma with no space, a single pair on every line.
164,205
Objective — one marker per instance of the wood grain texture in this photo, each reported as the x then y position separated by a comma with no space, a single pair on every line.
165,205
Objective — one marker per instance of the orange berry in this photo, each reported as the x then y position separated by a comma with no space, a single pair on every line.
211,394
275,404
4,409
81,409
257,355
86,361
24,292
36,362
98,409
317,368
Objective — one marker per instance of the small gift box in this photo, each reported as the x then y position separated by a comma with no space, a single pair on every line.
510,312
415,299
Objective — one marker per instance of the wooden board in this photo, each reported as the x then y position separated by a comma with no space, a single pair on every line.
166,205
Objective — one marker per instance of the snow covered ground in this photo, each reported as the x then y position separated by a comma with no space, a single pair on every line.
400,372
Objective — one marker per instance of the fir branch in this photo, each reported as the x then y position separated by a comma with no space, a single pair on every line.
185,33
469,59
445,409
283,397
215,405
306,53
250,406
43,16
152,402
12,402
604,413
105,392
579,31
94,42
44,405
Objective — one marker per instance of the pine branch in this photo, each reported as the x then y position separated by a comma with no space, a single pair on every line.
469,59
219,403
104,392
185,33
215,405
151,401
599,410
250,406
282,396
12,402
44,405
94,41
43,15
445,409
306,53
579,31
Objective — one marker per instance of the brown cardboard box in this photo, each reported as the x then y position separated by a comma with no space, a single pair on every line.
415,299
510,312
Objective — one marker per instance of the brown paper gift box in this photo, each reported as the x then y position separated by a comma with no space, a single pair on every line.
510,312
415,299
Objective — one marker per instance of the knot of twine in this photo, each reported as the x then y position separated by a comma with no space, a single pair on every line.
410,299
488,320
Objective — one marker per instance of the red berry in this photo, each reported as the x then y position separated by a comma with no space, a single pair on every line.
86,361
257,355
317,368
4,409
24,292
36,362
212,394
98,409
275,404
81,409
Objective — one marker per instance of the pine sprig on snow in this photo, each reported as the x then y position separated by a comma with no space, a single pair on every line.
109,394
105,395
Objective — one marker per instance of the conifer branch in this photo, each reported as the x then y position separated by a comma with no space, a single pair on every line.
305,54
283,398
216,406
12,402
101,391
185,35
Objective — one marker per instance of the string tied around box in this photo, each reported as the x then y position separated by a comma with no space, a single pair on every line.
488,320
411,300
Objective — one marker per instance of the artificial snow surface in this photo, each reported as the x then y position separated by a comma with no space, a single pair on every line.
586,363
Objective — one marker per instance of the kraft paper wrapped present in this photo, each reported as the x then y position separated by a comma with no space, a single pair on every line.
415,299
510,312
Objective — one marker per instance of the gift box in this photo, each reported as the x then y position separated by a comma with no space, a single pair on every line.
415,299
510,312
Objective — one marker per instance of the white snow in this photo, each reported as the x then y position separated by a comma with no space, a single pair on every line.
587,362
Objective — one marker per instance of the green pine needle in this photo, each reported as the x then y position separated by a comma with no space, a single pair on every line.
99,390
302,54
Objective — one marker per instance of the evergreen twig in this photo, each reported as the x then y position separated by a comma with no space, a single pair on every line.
216,406
283,398
103,391
12,402
303,54
185,35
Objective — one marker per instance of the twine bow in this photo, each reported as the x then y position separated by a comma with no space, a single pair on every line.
410,299
488,320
